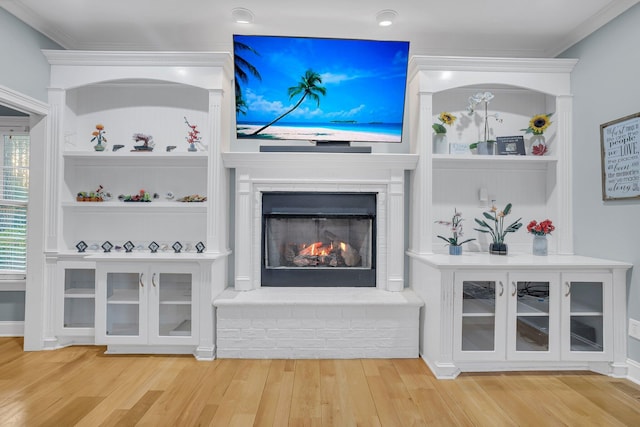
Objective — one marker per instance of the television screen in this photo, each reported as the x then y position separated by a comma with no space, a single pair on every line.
319,89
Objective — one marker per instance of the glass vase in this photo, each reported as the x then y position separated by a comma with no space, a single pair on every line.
539,245
455,250
486,147
440,144
536,145
498,249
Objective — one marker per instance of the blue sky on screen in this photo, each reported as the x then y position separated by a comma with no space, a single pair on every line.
365,80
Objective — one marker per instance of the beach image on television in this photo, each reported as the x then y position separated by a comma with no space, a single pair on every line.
319,89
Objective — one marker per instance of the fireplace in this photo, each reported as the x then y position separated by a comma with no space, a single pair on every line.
318,239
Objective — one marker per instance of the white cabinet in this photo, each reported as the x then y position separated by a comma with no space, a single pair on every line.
75,298
147,304
521,312
506,316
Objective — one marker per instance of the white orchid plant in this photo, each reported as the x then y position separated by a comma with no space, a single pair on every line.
455,225
482,98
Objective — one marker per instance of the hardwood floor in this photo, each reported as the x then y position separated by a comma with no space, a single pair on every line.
81,386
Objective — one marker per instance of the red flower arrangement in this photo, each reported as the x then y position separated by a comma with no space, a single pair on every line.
545,227
539,150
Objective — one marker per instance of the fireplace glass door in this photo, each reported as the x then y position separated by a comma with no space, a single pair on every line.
318,239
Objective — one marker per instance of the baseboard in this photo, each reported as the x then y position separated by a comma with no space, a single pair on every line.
11,329
633,371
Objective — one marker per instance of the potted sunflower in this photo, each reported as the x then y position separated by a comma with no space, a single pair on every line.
537,125
440,143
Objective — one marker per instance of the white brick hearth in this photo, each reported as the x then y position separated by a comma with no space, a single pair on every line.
253,321
317,323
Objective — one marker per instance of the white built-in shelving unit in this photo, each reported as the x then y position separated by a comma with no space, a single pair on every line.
150,93
464,332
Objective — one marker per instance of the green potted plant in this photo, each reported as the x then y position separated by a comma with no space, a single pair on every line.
497,231
455,246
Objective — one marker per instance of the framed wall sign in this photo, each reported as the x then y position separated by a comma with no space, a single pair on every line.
620,148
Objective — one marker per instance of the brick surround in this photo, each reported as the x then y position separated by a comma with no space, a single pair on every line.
317,323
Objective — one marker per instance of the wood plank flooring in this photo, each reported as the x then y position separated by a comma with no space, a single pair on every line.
82,386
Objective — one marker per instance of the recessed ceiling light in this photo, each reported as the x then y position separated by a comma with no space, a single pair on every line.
386,17
241,15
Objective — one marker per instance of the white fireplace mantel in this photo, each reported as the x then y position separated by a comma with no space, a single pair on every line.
383,174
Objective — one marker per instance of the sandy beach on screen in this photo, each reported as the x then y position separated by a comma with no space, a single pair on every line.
314,134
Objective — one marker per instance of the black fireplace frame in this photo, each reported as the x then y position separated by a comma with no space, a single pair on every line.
294,204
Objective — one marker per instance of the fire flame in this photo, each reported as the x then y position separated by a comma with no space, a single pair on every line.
318,249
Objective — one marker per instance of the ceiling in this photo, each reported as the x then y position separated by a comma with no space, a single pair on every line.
517,28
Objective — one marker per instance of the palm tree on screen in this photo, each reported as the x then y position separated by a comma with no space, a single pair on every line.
242,68
309,87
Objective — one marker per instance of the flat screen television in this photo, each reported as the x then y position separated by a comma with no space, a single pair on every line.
319,89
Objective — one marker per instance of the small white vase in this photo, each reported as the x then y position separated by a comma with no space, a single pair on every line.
539,245
536,141
440,143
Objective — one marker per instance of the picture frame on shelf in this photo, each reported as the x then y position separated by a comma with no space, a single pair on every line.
510,145
459,149
620,153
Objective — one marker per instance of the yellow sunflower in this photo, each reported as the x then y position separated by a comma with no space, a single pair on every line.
447,118
538,124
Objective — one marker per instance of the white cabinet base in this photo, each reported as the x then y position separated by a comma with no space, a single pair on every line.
149,349
433,278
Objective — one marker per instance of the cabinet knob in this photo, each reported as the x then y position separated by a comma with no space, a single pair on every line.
153,280
515,288
568,285
140,280
501,288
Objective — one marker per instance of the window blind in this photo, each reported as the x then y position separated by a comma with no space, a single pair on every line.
14,196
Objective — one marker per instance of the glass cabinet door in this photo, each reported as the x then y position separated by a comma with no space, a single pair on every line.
479,316
79,298
121,304
175,291
587,319
532,316
533,319
587,329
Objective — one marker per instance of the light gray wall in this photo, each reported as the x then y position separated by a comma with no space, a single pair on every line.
606,86
24,67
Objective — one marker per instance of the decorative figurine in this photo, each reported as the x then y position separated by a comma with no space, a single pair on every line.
117,147
142,196
94,196
98,136
128,247
153,247
147,142
193,137
81,246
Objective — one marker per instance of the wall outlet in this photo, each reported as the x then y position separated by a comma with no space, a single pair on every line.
634,328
